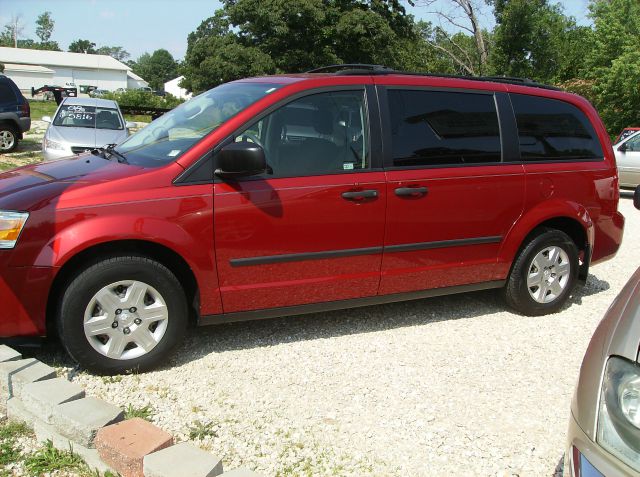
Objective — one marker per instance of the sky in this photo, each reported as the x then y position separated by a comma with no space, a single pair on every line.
146,25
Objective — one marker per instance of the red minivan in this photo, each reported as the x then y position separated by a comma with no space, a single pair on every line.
288,194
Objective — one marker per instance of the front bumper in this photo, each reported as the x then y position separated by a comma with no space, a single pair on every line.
585,458
24,292
55,154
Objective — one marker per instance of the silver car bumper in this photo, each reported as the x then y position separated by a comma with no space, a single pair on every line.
588,458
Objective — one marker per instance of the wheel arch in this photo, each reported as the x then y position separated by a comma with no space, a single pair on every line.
97,252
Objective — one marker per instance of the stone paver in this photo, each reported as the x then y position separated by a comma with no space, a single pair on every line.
123,446
7,370
17,412
8,354
46,432
80,420
36,372
42,397
182,460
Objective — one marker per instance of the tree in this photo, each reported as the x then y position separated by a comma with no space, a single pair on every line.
471,57
295,36
1,67
45,26
82,46
116,52
12,31
534,39
156,68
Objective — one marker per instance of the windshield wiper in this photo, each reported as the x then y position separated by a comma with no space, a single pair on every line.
103,151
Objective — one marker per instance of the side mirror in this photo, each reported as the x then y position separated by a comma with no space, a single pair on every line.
623,147
241,159
130,125
636,198
46,119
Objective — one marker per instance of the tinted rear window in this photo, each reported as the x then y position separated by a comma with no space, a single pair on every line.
549,129
443,128
6,94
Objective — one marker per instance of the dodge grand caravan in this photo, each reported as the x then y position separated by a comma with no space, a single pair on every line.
287,194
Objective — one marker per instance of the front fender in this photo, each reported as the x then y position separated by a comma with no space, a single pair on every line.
184,226
542,212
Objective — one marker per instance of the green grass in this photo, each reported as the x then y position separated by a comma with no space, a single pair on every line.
9,433
49,459
199,430
145,412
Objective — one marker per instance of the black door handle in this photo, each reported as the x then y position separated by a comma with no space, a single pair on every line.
411,191
360,194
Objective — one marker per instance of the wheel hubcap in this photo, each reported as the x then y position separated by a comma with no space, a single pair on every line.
549,274
6,140
125,320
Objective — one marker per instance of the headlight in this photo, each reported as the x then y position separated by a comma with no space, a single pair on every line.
49,144
619,413
11,224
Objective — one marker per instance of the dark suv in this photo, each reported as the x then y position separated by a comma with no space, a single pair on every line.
15,115
290,194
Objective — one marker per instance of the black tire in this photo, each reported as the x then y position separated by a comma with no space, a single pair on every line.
8,138
82,289
516,291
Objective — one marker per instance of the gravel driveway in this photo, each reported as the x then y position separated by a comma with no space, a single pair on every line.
445,386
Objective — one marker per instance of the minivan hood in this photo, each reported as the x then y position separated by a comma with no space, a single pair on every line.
85,136
34,186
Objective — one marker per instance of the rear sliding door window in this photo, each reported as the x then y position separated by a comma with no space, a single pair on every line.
551,130
434,128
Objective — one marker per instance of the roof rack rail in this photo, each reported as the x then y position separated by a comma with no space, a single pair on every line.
352,68
365,69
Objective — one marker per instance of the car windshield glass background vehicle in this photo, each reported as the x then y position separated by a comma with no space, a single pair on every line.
170,136
443,128
325,133
79,116
633,144
552,129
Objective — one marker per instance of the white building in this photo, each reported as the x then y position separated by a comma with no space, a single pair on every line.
172,87
36,68
134,81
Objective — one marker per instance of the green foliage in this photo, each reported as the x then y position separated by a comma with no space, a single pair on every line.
144,99
116,52
45,26
253,37
145,412
82,46
9,433
49,459
156,68
1,67
199,430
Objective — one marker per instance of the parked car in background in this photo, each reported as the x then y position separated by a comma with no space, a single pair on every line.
15,115
604,426
291,194
82,124
628,160
98,93
625,133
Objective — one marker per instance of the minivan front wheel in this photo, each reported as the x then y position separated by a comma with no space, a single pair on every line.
543,275
122,314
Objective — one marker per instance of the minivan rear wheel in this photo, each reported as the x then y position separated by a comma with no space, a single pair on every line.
122,314
543,275
8,138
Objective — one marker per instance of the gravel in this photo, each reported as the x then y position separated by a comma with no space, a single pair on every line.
446,386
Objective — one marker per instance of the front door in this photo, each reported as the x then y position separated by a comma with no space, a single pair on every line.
311,231
629,162
451,197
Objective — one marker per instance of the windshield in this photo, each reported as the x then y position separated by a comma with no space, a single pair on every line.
171,135
79,116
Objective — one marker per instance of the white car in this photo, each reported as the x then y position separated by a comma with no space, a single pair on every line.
82,124
627,154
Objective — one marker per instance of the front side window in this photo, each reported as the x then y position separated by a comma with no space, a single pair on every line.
324,133
79,116
432,128
633,144
170,136
549,129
